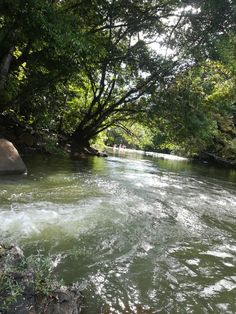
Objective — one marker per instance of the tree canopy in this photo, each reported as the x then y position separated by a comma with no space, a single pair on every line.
78,68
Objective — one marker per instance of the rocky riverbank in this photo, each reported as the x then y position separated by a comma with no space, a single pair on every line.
28,286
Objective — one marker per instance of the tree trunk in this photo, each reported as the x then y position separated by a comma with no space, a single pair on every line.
79,142
4,68
80,145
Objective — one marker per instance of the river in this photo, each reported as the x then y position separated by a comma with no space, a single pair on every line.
140,234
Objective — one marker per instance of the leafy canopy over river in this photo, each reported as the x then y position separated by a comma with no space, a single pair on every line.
163,71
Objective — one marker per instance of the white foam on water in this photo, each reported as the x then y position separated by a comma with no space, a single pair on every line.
217,254
227,284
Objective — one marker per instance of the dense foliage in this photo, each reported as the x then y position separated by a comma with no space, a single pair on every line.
163,68
194,108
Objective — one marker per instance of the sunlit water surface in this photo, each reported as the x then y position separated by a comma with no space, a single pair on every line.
140,234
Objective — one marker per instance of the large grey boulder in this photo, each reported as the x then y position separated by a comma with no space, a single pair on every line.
10,160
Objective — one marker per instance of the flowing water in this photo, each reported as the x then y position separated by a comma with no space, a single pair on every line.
140,234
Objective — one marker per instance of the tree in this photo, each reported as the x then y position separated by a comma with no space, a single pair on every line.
80,67
205,24
40,42
112,87
193,108
116,84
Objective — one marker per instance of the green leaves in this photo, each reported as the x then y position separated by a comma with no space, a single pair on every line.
82,66
191,108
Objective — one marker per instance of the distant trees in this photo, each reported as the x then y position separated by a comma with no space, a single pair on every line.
194,107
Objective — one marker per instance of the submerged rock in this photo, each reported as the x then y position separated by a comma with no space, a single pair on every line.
10,160
20,290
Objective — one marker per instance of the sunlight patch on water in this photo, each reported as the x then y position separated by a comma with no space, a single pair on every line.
227,284
190,220
194,261
218,254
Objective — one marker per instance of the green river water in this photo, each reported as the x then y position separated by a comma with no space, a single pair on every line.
140,234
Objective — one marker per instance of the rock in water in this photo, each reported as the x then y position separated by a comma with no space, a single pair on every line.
10,160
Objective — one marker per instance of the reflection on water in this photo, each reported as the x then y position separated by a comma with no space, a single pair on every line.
141,235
